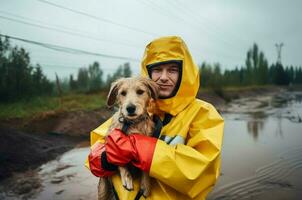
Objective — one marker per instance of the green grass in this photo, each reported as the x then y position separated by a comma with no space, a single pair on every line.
38,105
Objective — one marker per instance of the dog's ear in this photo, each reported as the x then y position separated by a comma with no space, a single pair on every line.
113,93
153,87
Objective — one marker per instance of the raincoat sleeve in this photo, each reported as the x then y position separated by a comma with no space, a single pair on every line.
192,168
95,162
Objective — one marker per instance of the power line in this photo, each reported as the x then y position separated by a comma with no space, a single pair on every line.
97,18
160,10
68,49
50,66
164,12
199,23
59,65
39,21
65,31
206,19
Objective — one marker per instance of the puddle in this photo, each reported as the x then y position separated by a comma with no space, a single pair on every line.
64,178
261,156
262,151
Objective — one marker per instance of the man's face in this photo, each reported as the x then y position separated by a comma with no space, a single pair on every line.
166,77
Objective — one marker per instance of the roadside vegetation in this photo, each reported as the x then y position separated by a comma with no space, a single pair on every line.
26,91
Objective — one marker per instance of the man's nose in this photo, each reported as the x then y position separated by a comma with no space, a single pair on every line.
164,75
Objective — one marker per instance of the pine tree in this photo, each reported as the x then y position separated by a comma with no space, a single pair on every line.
95,77
83,79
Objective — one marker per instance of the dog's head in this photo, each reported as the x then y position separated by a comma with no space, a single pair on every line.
133,96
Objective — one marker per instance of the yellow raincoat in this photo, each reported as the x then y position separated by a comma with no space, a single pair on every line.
186,161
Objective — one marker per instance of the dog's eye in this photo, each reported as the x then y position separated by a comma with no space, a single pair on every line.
123,93
139,92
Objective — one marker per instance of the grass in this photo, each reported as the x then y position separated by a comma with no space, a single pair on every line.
73,102
37,105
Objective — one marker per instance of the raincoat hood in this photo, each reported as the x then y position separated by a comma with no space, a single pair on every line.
173,49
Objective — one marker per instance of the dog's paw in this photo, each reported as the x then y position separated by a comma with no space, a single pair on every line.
146,191
145,188
127,180
145,185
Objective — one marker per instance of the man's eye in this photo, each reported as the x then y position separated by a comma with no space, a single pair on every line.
139,92
156,70
123,93
174,70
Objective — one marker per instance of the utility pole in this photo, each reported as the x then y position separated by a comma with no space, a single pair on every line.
279,47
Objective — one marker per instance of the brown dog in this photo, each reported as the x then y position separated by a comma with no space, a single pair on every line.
135,98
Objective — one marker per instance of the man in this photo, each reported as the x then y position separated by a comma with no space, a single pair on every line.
185,160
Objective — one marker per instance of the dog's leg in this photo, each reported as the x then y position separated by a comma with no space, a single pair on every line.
126,178
105,190
146,184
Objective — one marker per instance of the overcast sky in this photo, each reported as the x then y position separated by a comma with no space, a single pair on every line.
215,31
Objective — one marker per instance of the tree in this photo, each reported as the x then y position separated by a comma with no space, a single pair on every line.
127,70
83,79
122,71
18,78
205,74
298,75
256,71
4,48
290,73
37,79
279,76
95,77
72,83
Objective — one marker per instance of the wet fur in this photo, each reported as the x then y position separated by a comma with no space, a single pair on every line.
145,127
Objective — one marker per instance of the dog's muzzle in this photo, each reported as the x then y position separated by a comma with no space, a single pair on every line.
131,109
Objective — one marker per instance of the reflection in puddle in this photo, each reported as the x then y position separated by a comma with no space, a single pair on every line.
275,175
254,127
268,166
67,178
21,186
64,178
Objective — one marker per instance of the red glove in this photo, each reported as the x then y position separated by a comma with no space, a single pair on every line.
119,149
135,148
144,147
98,163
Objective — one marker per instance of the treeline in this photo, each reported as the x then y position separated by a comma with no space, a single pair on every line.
91,79
18,78
256,71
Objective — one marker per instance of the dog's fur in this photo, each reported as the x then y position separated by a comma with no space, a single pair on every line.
135,98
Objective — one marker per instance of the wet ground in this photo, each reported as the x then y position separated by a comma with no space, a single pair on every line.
262,151
261,157
63,178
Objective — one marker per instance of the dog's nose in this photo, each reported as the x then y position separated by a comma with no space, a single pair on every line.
131,109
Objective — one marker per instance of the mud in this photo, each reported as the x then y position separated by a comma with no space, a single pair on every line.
20,151
28,143
42,158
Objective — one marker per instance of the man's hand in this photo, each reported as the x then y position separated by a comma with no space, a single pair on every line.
119,148
98,163
135,148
